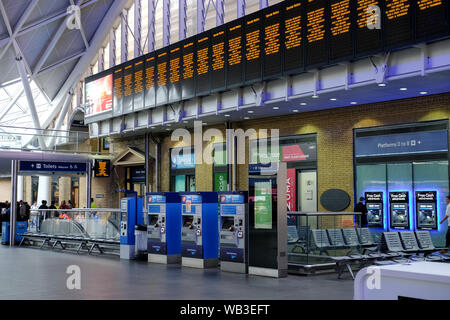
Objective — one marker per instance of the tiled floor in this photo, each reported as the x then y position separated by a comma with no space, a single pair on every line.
41,274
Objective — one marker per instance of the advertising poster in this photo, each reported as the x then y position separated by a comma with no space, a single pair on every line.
220,181
99,96
290,189
263,204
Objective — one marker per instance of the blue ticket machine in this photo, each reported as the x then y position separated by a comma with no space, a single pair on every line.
233,209
21,228
130,215
164,225
200,229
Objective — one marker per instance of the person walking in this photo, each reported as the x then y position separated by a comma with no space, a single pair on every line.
447,217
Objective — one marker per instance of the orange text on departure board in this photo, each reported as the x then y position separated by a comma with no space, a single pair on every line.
175,70
128,83
426,4
118,86
316,25
363,16
218,53
253,41
162,74
293,27
149,75
139,77
234,48
340,17
202,59
272,36
396,8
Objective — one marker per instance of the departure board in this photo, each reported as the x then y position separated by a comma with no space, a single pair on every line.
150,90
293,38
203,64
368,37
341,45
431,18
188,69
235,53
218,62
315,32
118,91
398,23
138,101
273,21
287,38
253,48
128,88
162,75
174,73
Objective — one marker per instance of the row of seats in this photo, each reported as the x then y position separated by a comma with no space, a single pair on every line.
407,242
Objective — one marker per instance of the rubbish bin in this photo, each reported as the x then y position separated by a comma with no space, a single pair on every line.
140,231
21,228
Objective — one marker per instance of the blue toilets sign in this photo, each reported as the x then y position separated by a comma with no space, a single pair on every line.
52,167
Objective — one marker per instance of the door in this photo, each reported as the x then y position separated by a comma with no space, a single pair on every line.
307,190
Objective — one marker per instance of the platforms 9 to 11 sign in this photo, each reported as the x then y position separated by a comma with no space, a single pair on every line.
287,38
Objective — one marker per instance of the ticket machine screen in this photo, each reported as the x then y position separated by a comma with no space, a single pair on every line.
399,215
375,214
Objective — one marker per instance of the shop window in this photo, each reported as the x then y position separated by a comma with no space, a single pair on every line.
182,169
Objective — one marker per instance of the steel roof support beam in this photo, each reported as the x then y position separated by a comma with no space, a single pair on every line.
220,13
151,24
137,28
200,16
60,120
182,19
124,37
166,23
11,104
240,8
263,4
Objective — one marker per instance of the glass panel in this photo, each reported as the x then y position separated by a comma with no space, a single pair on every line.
180,183
263,204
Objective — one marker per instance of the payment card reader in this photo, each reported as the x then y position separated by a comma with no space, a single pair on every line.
399,209
374,204
233,209
199,229
164,225
426,216
130,216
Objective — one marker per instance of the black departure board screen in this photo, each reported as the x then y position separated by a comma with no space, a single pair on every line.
235,53
273,22
368,37
188,69
174,74
150,78
431,18
253,48
118,91
128,88
218,62
341,45
293,37
287,38
398,22
203,64
138,102
162,77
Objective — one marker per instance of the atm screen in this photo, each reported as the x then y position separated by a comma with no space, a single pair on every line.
227,223
400,214
374,214
427,215
152,219
187,221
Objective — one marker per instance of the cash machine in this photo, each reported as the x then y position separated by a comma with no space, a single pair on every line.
233,209
426,215
199,229
374,204
399,210
130,216
164,224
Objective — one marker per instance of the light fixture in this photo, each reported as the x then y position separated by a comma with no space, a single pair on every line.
246,118
333,99
295,110
303,104
423,92
382,84
353,102
276,108
251,111
227,115
403,89
314,97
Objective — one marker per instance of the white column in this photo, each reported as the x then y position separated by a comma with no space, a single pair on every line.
44,190
20,188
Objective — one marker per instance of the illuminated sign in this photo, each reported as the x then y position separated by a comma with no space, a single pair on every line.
99,95
102,168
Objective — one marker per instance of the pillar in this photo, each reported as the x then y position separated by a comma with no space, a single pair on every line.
44,188
20,188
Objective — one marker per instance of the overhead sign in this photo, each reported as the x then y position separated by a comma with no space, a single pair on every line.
102,168
403,143
52,167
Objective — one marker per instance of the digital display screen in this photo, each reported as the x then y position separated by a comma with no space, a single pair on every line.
162,75
341,45
273,23
203,64
188,69
253,40
218,63
368,37
118,91
128,88
431,18
99,95
150,90
293,39
398,22
174,74
138,103
263,205
315,32
235,52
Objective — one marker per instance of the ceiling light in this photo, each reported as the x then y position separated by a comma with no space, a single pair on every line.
382,84
403,89
246,118
295,110
276,108
314,97
303,104
353,102
227,115
251,111
423,92
333,99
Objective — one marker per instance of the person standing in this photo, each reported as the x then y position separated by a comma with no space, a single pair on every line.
361,207
42,214
446,217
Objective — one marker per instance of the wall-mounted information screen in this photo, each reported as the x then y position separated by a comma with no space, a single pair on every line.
287,38
99,95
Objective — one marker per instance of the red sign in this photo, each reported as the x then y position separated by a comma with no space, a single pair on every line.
99,95
293,153
290,189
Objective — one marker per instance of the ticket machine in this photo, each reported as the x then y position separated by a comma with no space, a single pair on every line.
426,217
399,209
233,209
199,229
164,225
374,203
130,216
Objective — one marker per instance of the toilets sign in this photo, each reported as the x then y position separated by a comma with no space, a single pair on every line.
52,167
